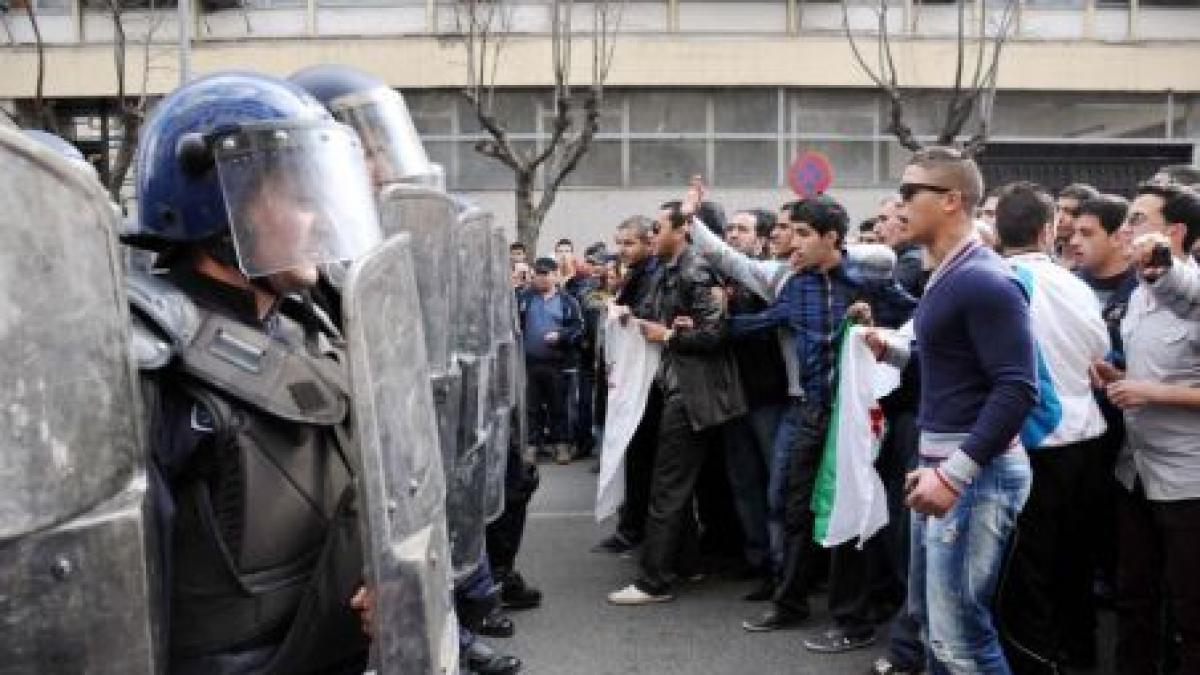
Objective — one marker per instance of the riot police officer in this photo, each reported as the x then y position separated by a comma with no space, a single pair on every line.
245,186
395,158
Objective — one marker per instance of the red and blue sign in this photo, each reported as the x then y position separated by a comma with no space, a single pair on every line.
810,174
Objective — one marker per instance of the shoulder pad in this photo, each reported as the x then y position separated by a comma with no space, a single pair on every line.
164,319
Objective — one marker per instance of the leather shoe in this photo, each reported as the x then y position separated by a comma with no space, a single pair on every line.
496,625
775,619
764,592
482,659
516,594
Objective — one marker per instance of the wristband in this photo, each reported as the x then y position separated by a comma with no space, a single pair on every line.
946,481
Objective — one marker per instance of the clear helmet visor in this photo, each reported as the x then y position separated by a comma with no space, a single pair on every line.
390,141
297,196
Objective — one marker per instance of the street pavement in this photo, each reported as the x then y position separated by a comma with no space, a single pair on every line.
576,632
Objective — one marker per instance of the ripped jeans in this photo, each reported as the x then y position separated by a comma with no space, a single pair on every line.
955,566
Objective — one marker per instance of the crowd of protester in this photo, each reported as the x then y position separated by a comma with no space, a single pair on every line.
1042,453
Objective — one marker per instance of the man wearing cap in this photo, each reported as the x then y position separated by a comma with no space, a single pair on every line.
552,325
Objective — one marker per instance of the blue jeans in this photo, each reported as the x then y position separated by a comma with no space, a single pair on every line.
777,471
748,448
955,566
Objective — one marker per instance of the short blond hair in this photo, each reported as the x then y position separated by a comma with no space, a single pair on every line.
953,170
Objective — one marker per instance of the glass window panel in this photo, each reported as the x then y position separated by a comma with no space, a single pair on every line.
599,167
853,161
849,113
516,111
1079,116
442,152
479,172
750,111
745,164
663,112
665,163
369,3
432,112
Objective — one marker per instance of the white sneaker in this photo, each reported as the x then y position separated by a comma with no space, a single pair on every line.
632,595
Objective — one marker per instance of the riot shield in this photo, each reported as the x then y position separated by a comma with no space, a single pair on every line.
403,486
501,305
428,216
79,582
471,333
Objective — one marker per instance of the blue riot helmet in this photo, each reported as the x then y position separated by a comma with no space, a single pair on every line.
64,149
380,117
251,167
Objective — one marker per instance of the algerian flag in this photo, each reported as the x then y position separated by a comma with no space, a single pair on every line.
848,499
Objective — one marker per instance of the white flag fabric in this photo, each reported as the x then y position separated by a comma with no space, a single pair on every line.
631,363
848,500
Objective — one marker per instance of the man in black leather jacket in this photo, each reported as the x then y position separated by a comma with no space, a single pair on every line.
699,383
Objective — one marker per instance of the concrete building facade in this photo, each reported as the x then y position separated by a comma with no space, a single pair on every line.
1088,89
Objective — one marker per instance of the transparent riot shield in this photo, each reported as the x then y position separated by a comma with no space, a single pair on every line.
403,489
471,333
79,583
428,216
500,393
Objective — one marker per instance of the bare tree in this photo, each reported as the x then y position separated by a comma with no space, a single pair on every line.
485,25
43,113
131,110
972,93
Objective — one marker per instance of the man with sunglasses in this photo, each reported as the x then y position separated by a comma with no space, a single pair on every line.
976,362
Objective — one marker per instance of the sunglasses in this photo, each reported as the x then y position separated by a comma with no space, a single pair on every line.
909,190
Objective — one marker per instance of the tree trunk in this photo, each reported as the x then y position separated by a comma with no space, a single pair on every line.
131,123
528,222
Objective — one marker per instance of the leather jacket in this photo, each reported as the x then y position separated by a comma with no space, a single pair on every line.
697,363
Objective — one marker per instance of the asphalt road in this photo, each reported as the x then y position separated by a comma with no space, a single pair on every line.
576,632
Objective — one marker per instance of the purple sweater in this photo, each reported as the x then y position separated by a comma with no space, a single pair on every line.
976,354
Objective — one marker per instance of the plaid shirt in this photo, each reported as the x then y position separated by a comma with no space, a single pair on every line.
811,304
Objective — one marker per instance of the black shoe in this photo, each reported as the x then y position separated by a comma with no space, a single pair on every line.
885,666
516,594
764,592
836,640
616,544
496,625
482,659
775,619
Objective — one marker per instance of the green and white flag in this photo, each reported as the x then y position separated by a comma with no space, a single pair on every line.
848,499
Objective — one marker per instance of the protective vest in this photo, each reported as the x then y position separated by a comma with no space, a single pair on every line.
264,543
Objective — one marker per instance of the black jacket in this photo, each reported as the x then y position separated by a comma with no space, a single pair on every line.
697,363
759,357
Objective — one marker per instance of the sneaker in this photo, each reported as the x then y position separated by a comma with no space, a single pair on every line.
884,666
530,455
632,595
616,543
516,594
836,640
484,660
775,619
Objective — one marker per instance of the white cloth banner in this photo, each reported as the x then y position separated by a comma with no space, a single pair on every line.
632,363
849,500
